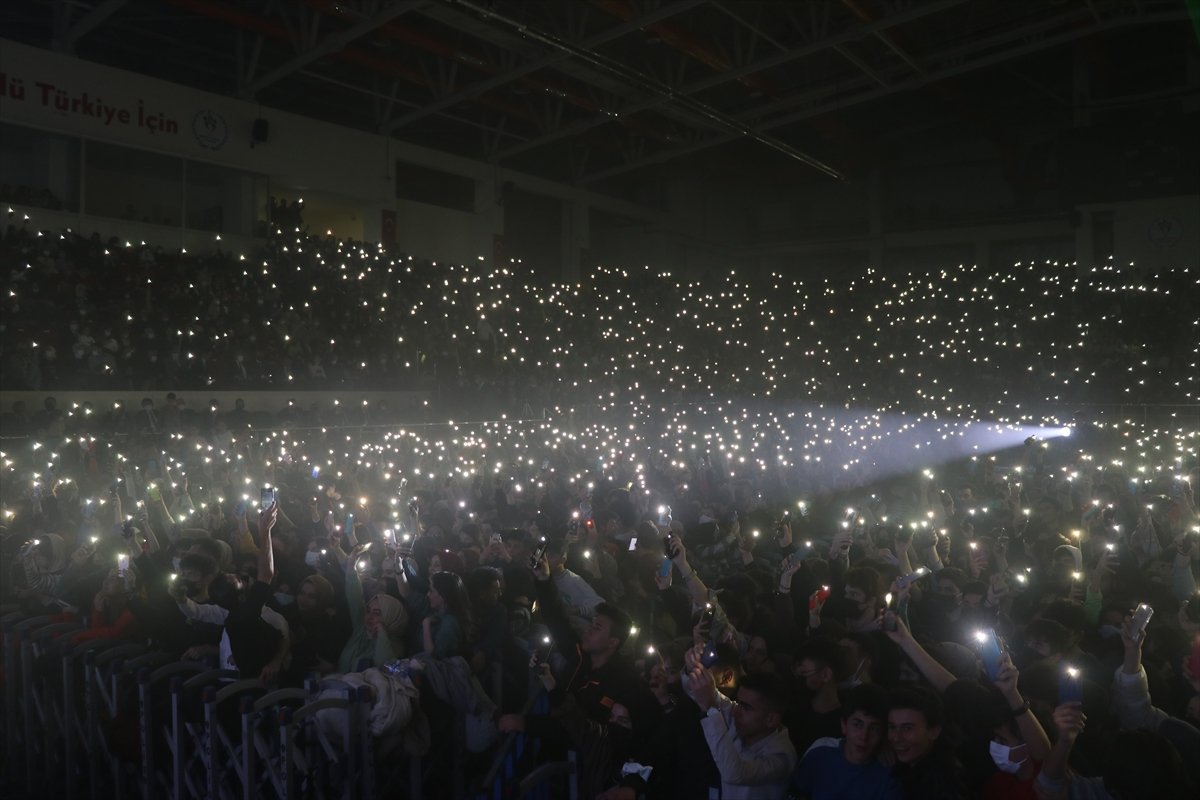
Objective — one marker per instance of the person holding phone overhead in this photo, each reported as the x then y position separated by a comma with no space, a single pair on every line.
379,624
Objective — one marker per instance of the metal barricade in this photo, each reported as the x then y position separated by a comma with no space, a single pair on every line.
154,727
314,766
111,718
536,779
100,706
227,771
263,764
186,740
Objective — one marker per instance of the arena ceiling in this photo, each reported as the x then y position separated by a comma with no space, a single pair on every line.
600,92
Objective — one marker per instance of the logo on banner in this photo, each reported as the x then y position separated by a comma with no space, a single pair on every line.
1165,232
210,129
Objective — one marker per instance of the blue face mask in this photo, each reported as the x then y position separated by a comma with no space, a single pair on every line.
284,599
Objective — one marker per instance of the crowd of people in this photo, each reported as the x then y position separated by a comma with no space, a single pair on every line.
709,585
304,312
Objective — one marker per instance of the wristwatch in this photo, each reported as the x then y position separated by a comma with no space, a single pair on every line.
1024,709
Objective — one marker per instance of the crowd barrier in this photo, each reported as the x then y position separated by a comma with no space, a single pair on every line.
115,718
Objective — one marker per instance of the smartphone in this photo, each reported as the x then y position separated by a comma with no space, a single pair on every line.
706,619
669,546
543,650
122,564
990,651
664,516
1141,618
820,597
538,554
1070,686
915,575
633,544
348,528
709,656
410,568
267,499
664,569
784,519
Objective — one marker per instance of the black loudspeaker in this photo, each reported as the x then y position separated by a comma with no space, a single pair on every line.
259,131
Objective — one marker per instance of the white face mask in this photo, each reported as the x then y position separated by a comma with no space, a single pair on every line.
1001,755
855,679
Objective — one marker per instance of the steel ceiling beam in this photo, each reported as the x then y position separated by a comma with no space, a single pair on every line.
335,42
476,89
738,72
915,82
695,110
92,20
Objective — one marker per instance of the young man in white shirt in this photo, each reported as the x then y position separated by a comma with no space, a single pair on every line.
746,737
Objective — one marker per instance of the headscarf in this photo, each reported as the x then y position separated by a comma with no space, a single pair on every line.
395,615
383,648
322,587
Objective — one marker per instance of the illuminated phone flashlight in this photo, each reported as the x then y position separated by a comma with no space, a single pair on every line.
1077,534
650,650
174,577
887,600
1076,576
1021,578
754,534
973,545
93,539
587,553
981,637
